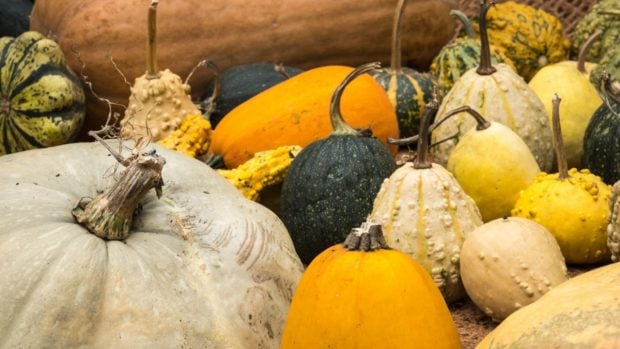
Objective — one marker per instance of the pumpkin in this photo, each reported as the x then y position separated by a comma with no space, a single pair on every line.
530,37
579,313
499,95
461,55
192,138
426,214
14,17
301,33
604,17
296,111
601,141
332,182
41,99
408,89
613,229
509,263
492,164
239,83
572,205
361,294
200,267
159,100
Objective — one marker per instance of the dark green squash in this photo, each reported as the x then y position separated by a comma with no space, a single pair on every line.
41,99
331,184
14,17
601,141
408,90
240,83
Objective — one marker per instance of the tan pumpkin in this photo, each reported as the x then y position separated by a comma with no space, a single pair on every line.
300,33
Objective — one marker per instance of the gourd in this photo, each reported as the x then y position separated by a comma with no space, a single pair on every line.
509,263
492,164
408,90
332,182
159,100
296,111
572,205
579,313
200,267
41,99
301,33
604,17
239,83
613,229
14,17
531,38
499,95
609,64
266,168
569,79
601,141
461,55
362,294
192,138
426,214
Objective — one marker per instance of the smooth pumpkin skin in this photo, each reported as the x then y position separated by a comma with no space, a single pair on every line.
379,299
296,111
580,313
202,266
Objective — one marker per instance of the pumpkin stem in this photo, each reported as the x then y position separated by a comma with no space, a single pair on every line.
607,91
558,141
481,122
581,58
395,63
151,42
109,215
485,67
368,237
422,159
339,126
280,69
462,17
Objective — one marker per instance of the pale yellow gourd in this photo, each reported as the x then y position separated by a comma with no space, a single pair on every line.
613,229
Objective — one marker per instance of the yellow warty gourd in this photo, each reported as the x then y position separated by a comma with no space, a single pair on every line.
192,138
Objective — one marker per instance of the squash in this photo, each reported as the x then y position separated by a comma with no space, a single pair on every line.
509,263
14,17
613,229
609,64
159,100
267,168
200,267
461,55
530,37
239,83
408,89
426,214
301,33
362,294
332,182
192,138
492,164
500,95
603,16
572,205
579,313
41,99
601,141
296,111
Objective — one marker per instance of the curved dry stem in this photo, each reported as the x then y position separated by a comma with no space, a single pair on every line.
581,58
558,141
485,67
151,42
395,62
423,158
462,17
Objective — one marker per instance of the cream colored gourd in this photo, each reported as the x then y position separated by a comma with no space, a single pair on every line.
613,229
492,164
580,313
202,267
573,205
500,95
159,100
425,213
508,263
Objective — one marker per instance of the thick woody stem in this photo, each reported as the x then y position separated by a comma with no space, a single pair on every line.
423,157
485,67
368,237
395,63
558,141
151,42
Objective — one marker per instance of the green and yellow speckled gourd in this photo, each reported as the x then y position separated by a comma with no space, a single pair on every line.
41,99
408,90
426,214
571,204
609,64
531,38
603,16
613,229
461,55
159,100
500,95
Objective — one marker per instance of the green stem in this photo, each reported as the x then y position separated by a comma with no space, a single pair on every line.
485,67
339,126
423,159
151,42
581,58
462,17
396,63
558,141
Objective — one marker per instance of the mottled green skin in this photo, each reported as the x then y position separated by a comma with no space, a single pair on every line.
41,99
601,143
609,24
330,188
409,95
610,63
